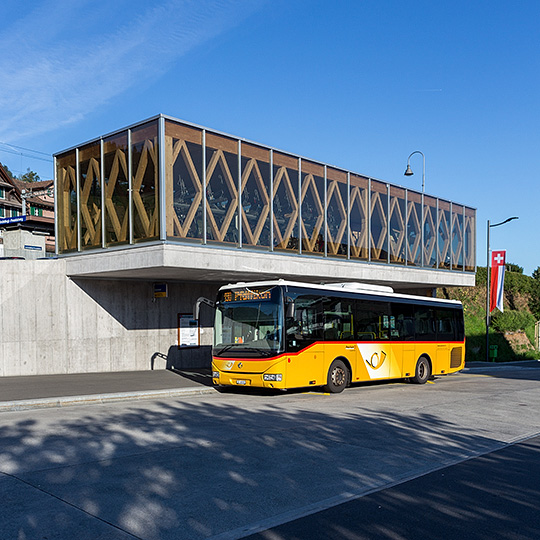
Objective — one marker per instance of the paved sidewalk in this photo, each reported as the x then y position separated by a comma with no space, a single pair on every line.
44,391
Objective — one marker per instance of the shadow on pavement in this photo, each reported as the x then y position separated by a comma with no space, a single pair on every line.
492,496
202,376
181,470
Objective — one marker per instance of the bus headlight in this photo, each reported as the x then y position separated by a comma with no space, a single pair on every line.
215,374
272,377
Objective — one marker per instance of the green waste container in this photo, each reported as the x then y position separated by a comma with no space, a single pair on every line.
493,351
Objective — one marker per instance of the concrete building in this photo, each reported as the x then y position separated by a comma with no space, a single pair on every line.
153,216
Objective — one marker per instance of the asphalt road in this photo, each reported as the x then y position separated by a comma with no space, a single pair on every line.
494,496
454,459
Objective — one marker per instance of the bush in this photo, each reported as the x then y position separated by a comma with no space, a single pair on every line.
516,283
512,320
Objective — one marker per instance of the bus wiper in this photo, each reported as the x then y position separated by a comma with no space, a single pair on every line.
226,348
240,349
262,352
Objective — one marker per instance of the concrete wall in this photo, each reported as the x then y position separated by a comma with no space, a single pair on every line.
193,262
52,324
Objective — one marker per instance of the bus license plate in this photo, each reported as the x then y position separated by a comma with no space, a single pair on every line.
240,381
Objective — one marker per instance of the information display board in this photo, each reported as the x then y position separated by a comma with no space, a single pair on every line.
188,331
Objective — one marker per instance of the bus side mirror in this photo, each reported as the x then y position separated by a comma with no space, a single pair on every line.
290,310
202,300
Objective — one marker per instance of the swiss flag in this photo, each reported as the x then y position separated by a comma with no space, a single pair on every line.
498,265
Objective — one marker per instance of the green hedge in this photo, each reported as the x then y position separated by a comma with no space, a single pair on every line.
512,320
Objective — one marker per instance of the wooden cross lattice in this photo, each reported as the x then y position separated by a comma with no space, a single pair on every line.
334,195
431,242
254,235
414,219
457,229
359,238
219,233
68,181
469,254
377,244
396,241
310,240
180,150
283,237
444,233
148,222
119,164
91,216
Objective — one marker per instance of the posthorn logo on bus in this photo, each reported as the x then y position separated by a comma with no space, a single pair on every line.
376,360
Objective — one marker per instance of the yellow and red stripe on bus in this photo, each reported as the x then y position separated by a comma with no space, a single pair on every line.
366,361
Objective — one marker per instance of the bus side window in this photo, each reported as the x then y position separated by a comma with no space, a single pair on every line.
404,316
459,324
425,323
338,319
445,325
372,320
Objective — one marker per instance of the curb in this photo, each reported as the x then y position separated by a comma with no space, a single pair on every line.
56,402
488,366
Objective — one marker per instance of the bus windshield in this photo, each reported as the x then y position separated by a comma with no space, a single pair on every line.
249,327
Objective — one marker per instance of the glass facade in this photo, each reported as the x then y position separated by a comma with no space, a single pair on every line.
66,197
116,189
285,202
90,195
166,180
255,196
312,205
144,150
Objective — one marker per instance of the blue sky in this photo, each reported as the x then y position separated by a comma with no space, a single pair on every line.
358,84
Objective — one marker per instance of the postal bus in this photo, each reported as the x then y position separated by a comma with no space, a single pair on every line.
283,334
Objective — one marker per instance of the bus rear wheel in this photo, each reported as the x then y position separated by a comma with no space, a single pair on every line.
338,377
422,372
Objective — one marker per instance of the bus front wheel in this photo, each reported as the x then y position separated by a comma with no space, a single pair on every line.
338,377
422,372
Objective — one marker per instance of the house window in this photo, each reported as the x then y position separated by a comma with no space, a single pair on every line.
2,212
36,211
2,193
14,212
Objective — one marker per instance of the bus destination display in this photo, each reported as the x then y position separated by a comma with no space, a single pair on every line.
244,295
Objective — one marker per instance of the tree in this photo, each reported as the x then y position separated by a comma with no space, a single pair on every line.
29,176
9,173
534,300
514,268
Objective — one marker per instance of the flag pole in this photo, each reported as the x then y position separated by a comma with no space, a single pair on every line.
488,292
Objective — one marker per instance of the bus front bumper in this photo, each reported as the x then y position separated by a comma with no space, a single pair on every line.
259,380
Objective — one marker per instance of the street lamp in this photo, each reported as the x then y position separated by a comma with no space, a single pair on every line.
409,172
489,226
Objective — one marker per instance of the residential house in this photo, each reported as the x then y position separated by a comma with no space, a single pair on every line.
35,200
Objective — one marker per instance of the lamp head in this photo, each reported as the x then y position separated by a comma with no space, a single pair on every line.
408,172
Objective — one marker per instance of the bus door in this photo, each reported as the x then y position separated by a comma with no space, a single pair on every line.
403,338
338,333
445,334
375,357
305,365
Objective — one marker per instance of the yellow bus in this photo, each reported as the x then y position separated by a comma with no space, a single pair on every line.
283,334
